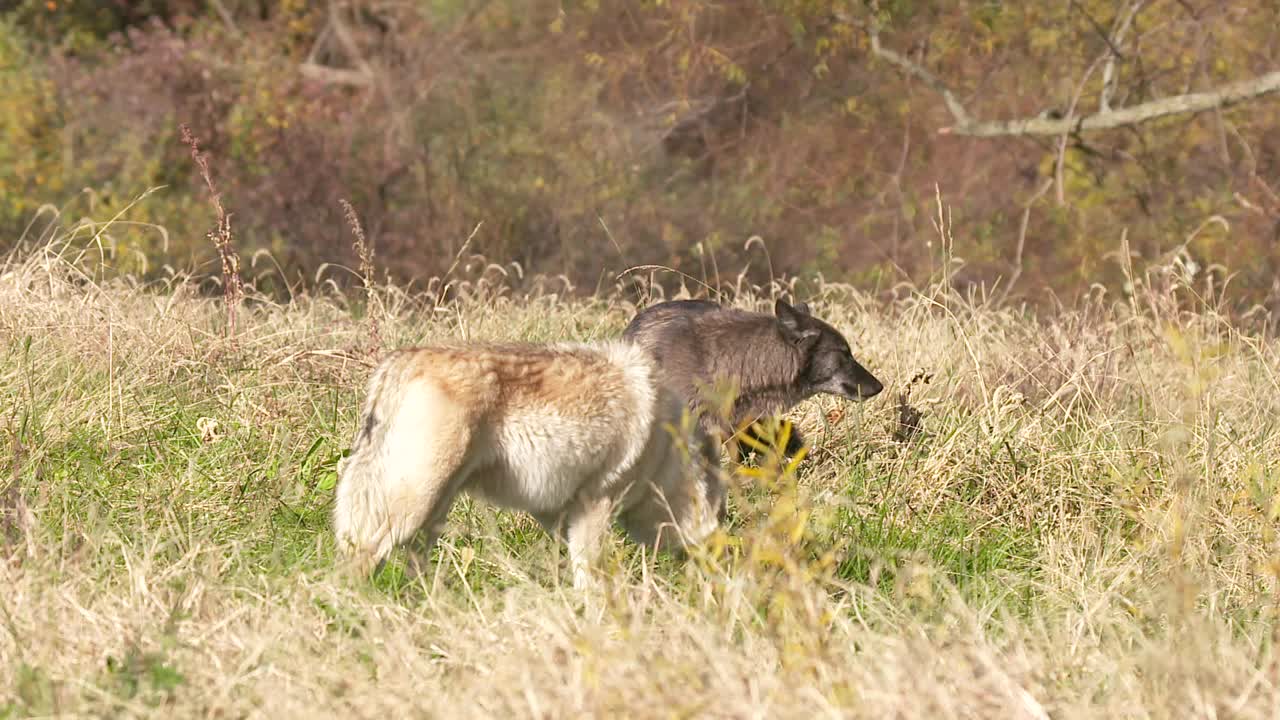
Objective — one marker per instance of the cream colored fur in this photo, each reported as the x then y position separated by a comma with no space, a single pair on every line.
574,434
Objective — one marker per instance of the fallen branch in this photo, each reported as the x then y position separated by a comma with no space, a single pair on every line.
335,29
335,76
348,43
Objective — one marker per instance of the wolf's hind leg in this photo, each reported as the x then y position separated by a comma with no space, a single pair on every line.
424,541
552,522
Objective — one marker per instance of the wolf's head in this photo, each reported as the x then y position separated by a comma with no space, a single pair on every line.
827,364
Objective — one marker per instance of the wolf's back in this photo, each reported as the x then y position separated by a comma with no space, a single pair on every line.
650,324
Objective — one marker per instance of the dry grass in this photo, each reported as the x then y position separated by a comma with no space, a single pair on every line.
1083,526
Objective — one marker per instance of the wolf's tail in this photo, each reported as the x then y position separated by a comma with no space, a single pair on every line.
361,516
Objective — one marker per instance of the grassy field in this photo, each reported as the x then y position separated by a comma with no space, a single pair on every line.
1085,526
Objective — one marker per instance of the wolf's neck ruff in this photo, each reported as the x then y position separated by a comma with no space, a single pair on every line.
758,357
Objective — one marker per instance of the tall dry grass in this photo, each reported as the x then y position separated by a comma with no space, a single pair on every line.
1083,526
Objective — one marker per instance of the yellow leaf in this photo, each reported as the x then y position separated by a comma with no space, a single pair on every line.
797,532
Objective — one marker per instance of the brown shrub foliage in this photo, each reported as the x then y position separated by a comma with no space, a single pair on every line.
589,138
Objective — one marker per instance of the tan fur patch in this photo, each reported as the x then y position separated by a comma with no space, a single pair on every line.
527,375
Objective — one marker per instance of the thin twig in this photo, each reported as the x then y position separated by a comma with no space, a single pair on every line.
1113,44
1022,236
1059,166
227,18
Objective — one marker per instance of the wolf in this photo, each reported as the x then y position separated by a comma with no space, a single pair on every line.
575,434
773,362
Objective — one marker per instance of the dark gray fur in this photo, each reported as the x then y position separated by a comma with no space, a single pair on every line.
774,360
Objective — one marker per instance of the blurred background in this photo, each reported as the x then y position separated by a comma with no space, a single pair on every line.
586,137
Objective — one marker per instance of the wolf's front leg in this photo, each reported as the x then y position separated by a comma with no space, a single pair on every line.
588,521
552,522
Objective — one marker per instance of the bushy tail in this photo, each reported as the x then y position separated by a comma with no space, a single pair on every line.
361,516
403,467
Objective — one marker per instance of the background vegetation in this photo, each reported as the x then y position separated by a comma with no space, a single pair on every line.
583,138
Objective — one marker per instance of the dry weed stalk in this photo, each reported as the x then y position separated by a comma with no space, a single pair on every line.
232,285
364,250
910,418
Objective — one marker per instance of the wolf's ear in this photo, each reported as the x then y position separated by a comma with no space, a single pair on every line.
781,308
796,325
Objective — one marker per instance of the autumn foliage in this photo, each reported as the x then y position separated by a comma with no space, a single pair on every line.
585,138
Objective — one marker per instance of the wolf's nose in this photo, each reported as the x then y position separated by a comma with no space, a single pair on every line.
870,389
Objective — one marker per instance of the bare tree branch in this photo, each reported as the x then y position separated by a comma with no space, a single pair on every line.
335,28
1225,95
321,41
1102,32
1105,119
1113,43
227,18
1059,165
347,42
917,71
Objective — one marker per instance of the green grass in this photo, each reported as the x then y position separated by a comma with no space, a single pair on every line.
950,542
1086,526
